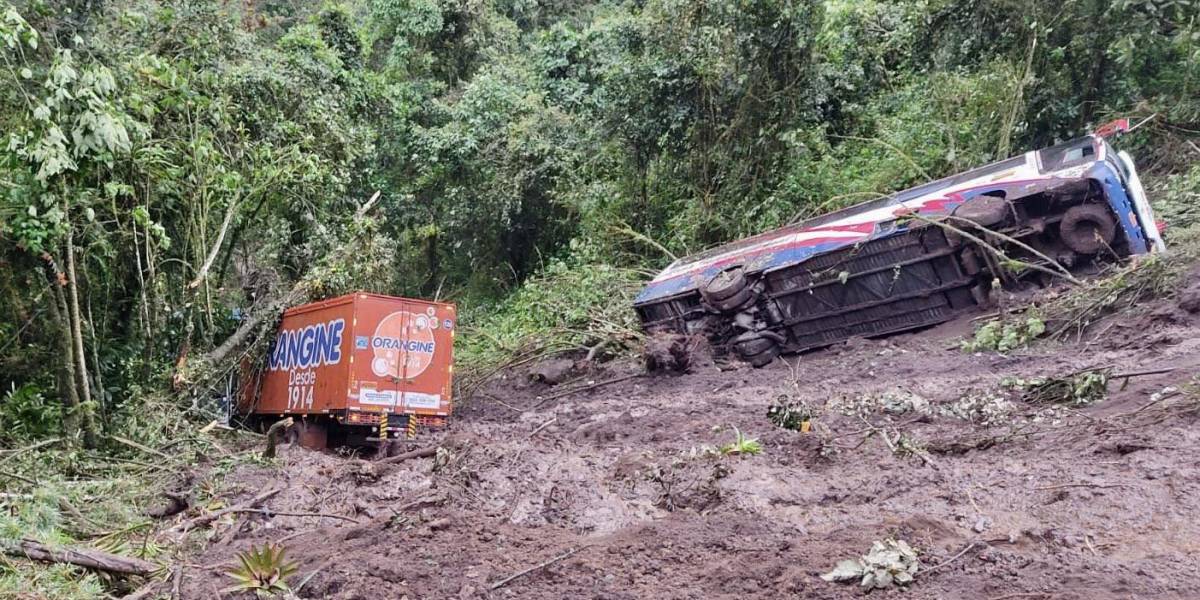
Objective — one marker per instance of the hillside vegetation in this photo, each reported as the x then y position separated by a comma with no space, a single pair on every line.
174,173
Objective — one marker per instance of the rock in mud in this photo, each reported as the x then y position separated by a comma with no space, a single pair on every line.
1189,300
553,371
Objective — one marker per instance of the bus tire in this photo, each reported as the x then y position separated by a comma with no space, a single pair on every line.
735,303
764,358
754,346
984,210
1086,228
725,284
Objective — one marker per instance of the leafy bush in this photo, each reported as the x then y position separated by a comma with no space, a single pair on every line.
1003,335
26,413
789,413
1176,199
566,307
1076,389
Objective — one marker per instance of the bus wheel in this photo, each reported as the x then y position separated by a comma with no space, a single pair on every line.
724,285
755,349
1086,228
984,210
737,302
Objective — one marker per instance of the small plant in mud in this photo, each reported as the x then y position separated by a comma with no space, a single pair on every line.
789,413
742,445
263,571
889,562
1077,389
998,335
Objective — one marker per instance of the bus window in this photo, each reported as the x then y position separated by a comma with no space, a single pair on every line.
1067,154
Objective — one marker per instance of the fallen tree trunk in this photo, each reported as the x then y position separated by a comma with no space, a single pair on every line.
270,312
82,557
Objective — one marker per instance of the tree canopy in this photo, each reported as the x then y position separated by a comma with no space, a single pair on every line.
172,168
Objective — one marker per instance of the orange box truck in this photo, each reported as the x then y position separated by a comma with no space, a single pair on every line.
355,369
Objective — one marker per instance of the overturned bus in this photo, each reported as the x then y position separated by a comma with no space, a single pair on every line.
910,260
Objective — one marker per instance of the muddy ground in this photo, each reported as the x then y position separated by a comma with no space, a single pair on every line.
1015,501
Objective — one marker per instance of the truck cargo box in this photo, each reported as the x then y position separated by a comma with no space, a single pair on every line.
359,367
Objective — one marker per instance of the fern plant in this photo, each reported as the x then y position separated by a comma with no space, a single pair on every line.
263,571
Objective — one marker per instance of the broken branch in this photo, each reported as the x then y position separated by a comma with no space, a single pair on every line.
542,426
137,446
273,434
563,556
81,557
582,388
216,514
951,559
279,513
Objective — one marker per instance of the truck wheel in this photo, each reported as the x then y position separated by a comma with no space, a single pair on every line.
1086,228
723,285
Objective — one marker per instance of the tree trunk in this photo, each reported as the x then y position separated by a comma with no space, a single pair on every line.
86,419
270,311
433,263
67,389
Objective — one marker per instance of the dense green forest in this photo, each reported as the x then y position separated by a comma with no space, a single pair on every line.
173,173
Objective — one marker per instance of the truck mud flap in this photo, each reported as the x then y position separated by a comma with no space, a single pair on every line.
887,285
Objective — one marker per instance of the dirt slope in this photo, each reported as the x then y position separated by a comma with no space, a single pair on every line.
1049,502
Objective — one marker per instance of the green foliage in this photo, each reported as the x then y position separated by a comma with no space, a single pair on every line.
26,413
1076,389
81,498
742,445
535,162
789,413
1005,335
61,582
567,307
1176,199
1123,289
504,137
263,570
